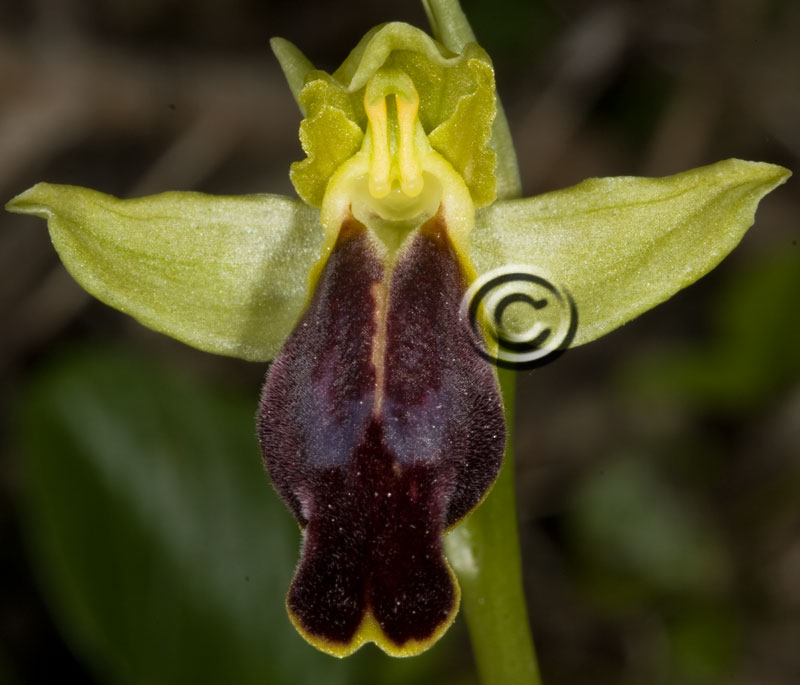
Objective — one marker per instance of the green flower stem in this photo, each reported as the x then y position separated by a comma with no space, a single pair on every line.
484,551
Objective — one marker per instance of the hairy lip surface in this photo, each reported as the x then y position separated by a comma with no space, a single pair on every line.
381,428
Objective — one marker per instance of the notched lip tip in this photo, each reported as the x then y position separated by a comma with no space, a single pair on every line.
369,632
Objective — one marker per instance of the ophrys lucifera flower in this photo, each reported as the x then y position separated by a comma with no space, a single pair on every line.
380,427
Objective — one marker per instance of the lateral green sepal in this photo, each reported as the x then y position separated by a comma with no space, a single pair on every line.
228,275
623,245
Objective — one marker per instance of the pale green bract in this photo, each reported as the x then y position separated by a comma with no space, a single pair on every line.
232,275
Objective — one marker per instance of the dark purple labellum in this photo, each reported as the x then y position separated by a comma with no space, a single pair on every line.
381,428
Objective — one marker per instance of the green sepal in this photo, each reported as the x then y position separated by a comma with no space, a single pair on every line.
457,107
623,245
228,275
294,64
449,24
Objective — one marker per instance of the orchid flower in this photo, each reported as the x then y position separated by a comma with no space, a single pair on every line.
380,425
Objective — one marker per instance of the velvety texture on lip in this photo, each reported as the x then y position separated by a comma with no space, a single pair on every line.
380,428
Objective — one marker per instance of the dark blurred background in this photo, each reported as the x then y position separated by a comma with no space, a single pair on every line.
659,468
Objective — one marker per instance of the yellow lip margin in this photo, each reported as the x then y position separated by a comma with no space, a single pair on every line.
370,631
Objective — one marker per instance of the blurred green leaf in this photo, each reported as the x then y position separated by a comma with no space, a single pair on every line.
6,672
646,553
160,543
754,351
640,539
703,645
